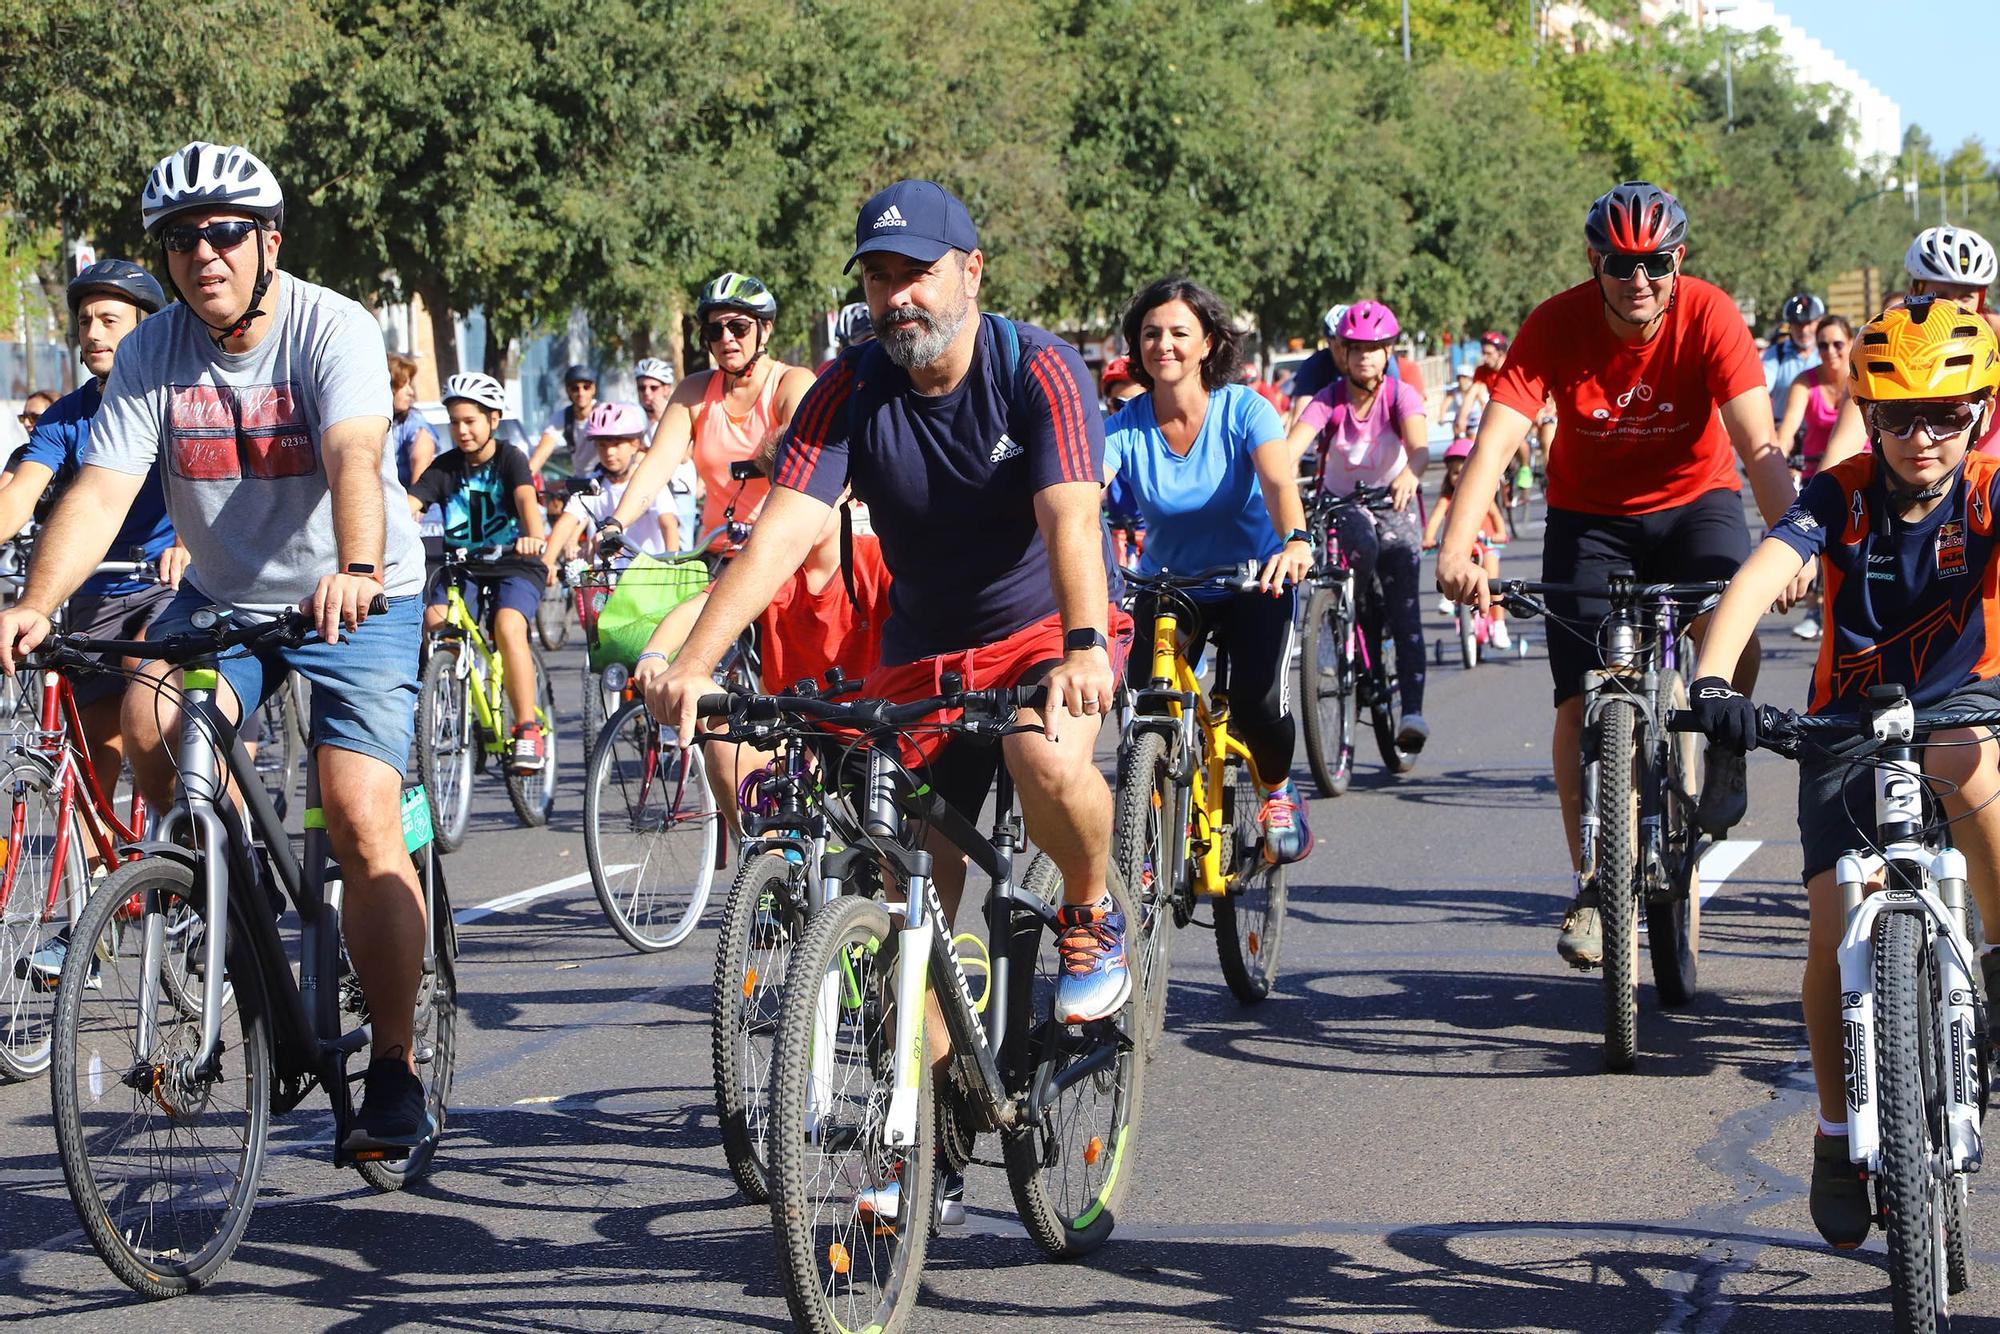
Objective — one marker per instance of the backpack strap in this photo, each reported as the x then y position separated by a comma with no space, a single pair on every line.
847,556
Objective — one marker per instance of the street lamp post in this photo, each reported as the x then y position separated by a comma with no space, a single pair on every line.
1406,32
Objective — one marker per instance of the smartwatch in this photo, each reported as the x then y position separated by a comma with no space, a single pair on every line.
1298,535
1076,641
362,568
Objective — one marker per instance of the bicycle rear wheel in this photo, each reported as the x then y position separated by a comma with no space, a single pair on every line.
161,1160
533,795
853,1217
761,927
435,1041
1149,848
1070,1169
1610,740
43,895
1673,923
445,742
651,831
1327,687
1910,1070
1250,918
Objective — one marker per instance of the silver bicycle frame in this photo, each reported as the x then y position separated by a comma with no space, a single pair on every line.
1935,889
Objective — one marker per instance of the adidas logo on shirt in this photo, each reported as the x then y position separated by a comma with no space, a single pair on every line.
1004,449
891,217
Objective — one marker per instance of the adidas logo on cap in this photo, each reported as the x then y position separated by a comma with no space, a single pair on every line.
891,217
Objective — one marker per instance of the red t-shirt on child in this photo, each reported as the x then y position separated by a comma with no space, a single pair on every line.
803,633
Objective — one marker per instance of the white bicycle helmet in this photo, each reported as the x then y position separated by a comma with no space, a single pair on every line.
1956,255
211,176
853,324
1329,323
473,387
653,368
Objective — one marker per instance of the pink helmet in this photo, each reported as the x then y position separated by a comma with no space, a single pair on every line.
615,419
1368,322
1460,448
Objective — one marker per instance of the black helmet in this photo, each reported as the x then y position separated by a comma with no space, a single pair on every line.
1636,218
1803,308
580,372
119,277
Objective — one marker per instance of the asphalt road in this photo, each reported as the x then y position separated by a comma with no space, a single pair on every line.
1414,1132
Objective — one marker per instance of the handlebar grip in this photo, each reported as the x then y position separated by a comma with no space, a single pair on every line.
378,605
713,706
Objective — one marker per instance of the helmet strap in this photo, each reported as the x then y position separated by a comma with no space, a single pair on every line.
749,367
1612,311
220,333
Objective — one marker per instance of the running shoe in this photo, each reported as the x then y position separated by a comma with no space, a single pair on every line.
884,1202
530,749
1444,606
1841,1209
42,970
1725,793
1807,628
393,1113
1287,835
1414,732
1095,983
1499,638
1581,943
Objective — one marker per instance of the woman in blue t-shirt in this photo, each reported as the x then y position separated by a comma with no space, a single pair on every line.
1206,462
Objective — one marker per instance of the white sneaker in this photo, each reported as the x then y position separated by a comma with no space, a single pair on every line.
1444,606
1499,637
1807,628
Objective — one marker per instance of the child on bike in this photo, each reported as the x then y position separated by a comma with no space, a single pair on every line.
1905,537
489,501
1492,535
618,430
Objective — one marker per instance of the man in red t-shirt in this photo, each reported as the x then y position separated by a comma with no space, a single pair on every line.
1656,382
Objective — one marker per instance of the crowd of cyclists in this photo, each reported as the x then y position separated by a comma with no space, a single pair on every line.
952,497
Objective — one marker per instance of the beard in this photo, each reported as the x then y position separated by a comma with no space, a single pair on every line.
911,347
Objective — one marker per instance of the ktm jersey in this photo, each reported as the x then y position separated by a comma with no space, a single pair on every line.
1915,604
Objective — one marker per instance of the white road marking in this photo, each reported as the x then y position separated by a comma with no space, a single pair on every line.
1724,860
521,898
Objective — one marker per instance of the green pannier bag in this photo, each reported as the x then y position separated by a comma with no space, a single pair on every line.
646,591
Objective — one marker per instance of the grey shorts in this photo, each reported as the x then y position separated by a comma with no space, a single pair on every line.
110,616
1837,796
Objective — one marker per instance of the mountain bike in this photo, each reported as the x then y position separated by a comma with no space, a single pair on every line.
1640,848
857,1120
1185,826
174,1048
1342,667
1910,1007
464,717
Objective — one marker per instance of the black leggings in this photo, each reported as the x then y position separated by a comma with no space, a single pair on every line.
1255,631
1388,548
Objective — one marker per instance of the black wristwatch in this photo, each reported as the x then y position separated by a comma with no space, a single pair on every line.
1076,641
1298,535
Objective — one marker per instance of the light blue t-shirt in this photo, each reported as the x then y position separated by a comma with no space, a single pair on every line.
1206,509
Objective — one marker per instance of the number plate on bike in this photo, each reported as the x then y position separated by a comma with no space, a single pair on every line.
417,827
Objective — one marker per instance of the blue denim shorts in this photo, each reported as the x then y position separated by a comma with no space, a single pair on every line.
364,696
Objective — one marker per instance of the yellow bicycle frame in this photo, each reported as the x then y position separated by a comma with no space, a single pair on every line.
487,703
1209,821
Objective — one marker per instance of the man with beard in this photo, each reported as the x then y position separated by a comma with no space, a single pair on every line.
971,440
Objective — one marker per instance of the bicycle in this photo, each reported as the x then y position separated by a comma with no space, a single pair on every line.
1914,1055
856,1120
162,1123
1640,850
1185,822
464,717
1342,667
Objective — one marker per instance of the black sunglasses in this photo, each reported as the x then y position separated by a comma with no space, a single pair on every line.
712,331
1622,266
1939,420
182,238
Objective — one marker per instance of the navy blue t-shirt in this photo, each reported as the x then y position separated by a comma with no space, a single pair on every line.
1910,604
950,482
57,443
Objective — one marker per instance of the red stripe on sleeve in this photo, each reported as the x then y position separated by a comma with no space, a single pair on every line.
1065,415
808,433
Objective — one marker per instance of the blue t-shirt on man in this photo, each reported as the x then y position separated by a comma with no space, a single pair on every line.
57,443
1205,508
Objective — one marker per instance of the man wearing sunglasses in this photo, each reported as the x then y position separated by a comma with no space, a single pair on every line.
568,425
1656,383
264,401
1793,353
725,415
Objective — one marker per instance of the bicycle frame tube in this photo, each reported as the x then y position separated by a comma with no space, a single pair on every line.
486,700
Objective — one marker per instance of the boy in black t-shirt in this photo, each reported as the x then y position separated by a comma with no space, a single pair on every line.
489,502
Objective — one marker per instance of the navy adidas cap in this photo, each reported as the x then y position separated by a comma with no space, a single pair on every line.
920,219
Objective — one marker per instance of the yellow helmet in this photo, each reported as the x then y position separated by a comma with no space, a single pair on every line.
1925,348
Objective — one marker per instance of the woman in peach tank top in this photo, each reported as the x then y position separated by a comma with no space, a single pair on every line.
722,415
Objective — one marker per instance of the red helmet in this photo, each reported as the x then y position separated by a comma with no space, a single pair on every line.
1118,370
1636,218
1494,338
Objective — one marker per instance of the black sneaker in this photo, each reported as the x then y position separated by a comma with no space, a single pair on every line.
393,1118
1725,793
1841,1209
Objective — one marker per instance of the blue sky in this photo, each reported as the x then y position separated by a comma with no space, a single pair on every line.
1935,57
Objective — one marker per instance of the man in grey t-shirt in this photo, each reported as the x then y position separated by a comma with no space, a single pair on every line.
264,401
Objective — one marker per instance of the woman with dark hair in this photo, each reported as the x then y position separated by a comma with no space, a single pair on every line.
1205,460
1371,432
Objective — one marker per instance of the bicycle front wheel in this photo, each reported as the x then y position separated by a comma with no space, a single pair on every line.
651,831
161,1158
533,794
1327,688
1149,848
1610,740
853,1216
1250,918
552,617
1070,1163
445,744
45,885
1468,637
761,926
1912,1076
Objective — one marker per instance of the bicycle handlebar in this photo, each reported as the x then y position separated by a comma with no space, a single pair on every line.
1777,727
1373,497
992,707
289,629
1238,578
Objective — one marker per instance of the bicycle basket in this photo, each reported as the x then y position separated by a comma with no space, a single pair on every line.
646,591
